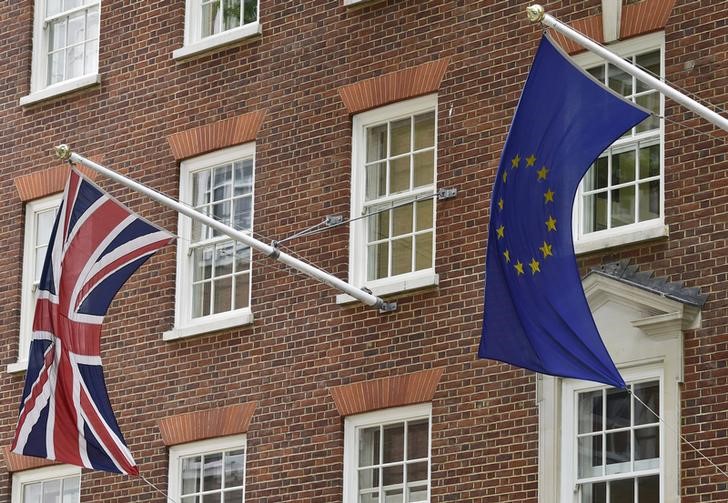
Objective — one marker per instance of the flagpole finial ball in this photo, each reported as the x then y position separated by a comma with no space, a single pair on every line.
63,152
535,13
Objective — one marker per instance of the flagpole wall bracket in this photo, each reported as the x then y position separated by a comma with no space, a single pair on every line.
446,193
386,307
535,13
63,152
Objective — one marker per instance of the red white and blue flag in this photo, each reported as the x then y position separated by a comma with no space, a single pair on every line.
96,245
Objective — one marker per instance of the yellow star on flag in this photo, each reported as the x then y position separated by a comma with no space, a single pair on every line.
546,250
542,173
530,160
505,176
500,204
535,266
548,196
551,224
519,267
515,161
500,231
507,255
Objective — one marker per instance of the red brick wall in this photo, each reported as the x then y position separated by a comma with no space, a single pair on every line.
484,445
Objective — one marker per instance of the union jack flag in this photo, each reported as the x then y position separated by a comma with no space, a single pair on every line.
96,244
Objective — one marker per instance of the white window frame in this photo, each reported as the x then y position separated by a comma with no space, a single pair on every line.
185,325
28,288
569,420
200,447
352,424
639,231
358,231
193,44
46,473
39,90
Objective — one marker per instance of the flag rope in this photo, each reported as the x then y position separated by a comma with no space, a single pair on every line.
166,496
675,430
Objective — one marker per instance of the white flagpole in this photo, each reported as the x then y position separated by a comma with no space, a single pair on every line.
536,14
64,153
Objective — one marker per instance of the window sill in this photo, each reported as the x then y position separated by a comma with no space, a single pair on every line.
651,230
395,285
230,320
65,87
17,367
219,40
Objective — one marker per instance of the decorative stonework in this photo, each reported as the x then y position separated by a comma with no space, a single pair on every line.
47,182
205,424
218,135
384,393
393,87
17,463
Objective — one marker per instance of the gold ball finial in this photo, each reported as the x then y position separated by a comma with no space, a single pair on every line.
535,13
63,152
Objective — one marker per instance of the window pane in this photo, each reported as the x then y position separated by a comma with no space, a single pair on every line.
402,220
399,137
393,443
392,475
72,4
55,67
57,35
378,261
201,188
378,226
399,174
425,130
424,168
242,290
211,498
210,18
590,456
368,478
74,61
223,294
212,472
594,493
222,183
231,14
234,469
376,180
590,412
76,28
424,214
649,200
250,11
242,257
369,446
623,167
92,23
423,251
377,143
221,213
417,471
618,451
647,443
91,57
235,496
201,299
617,408
393,496
224,259
650,62
620,81
648,489
52,491
191,475
418,439
191,499
202,263
621,491
417,494
43,226
595,212
597,72
649,393
623,206
649,161
598,176
71,489
32,492
53,7
369,498
243,213
651,102
402,255
243,177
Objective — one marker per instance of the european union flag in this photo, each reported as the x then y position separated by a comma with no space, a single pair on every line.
536,314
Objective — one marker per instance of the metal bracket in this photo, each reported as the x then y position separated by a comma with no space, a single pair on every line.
333,220
386,307
276,252
446,193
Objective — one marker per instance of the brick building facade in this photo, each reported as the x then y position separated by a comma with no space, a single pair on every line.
231,375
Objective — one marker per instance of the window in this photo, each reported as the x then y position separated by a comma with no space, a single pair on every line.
616,441
387,456
65,47
393,182
213,271
621,196
214,23
47,485
39,217
208,470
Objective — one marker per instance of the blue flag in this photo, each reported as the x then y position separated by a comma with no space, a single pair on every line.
536,314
